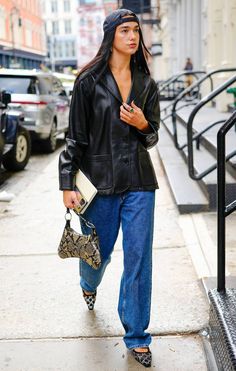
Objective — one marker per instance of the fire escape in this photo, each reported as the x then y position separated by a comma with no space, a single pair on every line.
146,10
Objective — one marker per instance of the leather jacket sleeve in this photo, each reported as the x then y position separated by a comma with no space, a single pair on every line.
77,139
152,114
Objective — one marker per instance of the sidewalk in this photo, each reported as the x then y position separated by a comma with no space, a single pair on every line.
44,323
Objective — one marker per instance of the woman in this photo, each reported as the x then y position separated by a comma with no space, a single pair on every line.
114,118
188,67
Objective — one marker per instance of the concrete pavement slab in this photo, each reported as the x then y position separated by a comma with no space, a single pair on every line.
41,297
179,353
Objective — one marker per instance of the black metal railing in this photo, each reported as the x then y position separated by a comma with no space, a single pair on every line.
201,103
171,88
192,173
223,210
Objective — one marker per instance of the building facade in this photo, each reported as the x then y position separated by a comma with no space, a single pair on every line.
91,15
204,30
74,31
22,34
61,26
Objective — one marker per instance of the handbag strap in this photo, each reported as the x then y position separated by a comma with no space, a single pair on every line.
88,224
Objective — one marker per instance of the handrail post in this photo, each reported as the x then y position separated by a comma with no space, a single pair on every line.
220,211
174,128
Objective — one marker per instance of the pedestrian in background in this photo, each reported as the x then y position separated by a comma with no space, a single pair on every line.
114,119
188,67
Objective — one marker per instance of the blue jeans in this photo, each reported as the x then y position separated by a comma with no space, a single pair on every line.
135,212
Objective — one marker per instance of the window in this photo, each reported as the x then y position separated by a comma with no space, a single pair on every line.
138,6
59,50
66,6
82,22
54,6
45,85
67,25
55,27
67,48
28,33
2,23
70,49
73,49
18,85
57,87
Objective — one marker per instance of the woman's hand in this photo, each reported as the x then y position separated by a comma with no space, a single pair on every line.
133,115
71,199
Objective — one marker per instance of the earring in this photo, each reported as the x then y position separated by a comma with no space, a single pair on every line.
111,50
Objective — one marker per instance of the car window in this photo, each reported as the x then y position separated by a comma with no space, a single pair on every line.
18,84
45,85
57,87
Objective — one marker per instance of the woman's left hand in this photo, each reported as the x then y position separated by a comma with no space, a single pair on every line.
133,115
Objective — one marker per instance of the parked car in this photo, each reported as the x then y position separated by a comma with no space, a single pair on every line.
67,81
15,142
43,100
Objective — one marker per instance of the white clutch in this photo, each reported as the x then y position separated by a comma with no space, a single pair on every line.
86,189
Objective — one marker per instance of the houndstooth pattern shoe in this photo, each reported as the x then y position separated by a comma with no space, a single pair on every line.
145,358
90,299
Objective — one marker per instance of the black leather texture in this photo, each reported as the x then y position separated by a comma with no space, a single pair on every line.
111,153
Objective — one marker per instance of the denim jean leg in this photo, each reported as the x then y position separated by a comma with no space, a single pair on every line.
137,218
104,214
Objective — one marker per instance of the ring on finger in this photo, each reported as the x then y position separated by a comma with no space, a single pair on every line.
131,110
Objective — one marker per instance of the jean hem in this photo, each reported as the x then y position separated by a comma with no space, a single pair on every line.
87,288
138,346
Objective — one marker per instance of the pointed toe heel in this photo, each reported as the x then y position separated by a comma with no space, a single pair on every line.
144,358
90,299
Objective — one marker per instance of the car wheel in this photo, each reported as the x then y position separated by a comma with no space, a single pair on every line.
50,143
17,158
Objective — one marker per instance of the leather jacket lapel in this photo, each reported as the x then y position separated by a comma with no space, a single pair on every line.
137,87
110,84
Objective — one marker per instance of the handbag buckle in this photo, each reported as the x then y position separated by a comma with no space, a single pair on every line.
68,216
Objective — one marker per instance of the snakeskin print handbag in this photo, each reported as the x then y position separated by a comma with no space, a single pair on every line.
76,245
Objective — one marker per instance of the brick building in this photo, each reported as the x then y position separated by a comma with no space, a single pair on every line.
22,34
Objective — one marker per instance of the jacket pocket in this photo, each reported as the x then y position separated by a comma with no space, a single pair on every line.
99,168
146,170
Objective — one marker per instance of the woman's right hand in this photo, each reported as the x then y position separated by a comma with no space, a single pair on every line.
71,199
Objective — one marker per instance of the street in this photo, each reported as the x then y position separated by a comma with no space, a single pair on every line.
45,324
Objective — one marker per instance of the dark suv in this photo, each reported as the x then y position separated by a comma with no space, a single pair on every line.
15,143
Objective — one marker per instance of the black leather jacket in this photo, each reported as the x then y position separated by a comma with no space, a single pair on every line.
111,153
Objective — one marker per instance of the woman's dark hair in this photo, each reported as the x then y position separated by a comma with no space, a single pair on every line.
100,61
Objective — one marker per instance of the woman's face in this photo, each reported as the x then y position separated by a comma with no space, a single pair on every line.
126,39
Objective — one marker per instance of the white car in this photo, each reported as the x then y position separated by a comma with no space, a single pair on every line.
43,99
67,81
